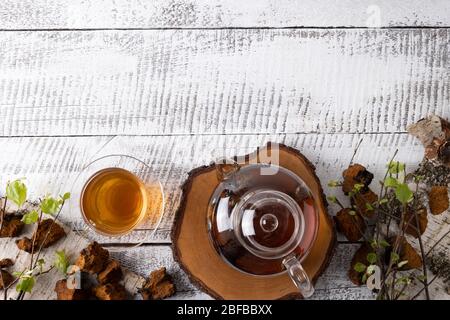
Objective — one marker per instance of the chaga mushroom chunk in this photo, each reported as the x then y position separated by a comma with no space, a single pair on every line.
47,234
112,273
361,257
24,244
158,286
438,199
356,174
12,226
110,291
6,263
351,225
444,153
6,279
93,258
64,293
406,252
410,223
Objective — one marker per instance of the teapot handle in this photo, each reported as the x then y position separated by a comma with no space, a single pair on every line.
299,276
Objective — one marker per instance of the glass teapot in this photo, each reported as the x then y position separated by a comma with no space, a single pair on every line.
263,220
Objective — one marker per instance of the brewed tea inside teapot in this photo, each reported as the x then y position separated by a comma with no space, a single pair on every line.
263,222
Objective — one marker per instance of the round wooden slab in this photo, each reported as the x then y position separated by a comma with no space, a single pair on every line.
195,253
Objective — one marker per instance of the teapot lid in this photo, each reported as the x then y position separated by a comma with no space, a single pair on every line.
268,223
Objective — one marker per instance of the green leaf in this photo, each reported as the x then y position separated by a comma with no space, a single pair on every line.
16,191
357,187
390,182
384,243
421,277
50,205
403,193
25,284
374,244
383,201
332,199
394,257
364,278
66,196
61,262
359,267
40,264
402,263
372,257
403,280
369,207
333,183
30,217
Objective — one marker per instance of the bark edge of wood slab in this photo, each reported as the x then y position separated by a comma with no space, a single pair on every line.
195,253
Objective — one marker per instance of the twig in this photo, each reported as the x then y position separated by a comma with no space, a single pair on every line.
356,224
356,150
437,242
34,240
339,203
13,283
5,293
422,252
46,271
421,290
386,174
48,233
380,196
2,216
395,246
394,276
405,285
22,293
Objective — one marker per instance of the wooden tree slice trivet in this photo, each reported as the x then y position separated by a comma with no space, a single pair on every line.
195,253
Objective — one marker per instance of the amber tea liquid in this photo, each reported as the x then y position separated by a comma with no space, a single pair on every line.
114,201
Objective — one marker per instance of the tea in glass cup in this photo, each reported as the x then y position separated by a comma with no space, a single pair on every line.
113,201
114,196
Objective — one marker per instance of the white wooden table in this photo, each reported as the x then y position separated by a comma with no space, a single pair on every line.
178,83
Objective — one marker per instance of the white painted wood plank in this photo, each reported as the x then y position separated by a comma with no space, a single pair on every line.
221,81
38,14
50,164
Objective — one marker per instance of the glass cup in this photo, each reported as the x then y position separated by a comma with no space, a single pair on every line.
117,198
